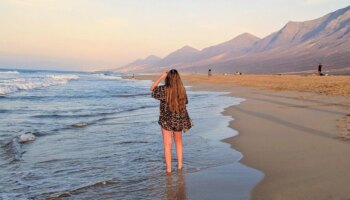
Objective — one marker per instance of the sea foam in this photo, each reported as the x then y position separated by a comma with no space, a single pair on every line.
18,84
9,72
26,137
104,76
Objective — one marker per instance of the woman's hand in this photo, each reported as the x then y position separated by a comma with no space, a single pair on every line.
164,74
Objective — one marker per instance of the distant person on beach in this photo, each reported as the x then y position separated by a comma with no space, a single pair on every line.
320,70
173,117
209,72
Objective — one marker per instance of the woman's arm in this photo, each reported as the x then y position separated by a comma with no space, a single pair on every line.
162,76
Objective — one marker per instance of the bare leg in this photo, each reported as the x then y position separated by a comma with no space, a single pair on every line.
178,143
167,148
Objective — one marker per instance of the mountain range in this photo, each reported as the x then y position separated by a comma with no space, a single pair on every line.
297,47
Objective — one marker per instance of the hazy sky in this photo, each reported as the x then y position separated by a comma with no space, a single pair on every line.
104,34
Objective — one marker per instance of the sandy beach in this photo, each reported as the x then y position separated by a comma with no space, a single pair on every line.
295,129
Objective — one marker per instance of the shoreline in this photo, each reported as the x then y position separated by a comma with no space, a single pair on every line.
294,138
228,177
299,159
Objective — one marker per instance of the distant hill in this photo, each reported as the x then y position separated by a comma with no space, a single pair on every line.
141,64
298,46
182,56
218,53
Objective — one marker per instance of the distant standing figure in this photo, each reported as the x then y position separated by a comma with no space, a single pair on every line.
209,72
133,76
320,70
173,117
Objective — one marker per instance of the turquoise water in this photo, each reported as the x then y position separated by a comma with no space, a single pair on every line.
82,135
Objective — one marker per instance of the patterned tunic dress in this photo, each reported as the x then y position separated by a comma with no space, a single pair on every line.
168,120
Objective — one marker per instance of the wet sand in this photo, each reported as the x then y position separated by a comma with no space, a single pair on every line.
295,129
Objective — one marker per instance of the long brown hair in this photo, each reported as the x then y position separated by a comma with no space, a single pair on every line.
175,92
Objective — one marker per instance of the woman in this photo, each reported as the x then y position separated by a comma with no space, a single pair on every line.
173,117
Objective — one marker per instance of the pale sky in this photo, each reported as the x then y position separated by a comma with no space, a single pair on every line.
105,34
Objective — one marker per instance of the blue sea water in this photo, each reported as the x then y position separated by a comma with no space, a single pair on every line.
97,137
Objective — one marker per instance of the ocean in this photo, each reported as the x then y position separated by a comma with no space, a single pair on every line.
80,135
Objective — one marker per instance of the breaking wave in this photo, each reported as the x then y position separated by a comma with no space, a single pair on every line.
17,84
9,72
14,148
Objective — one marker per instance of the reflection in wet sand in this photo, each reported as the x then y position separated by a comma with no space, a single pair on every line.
176,189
